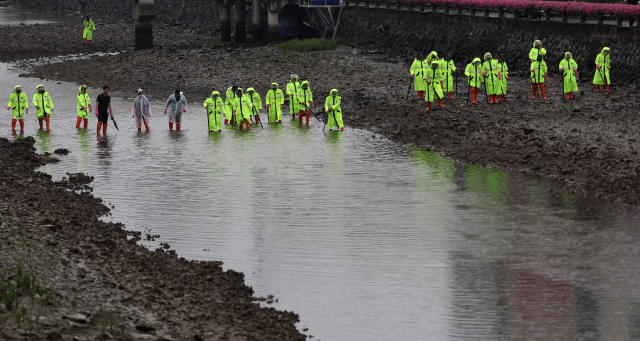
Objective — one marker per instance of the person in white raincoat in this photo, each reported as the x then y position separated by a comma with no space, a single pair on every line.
176,105
141,110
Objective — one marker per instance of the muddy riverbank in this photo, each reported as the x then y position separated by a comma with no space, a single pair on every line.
80,278
590,143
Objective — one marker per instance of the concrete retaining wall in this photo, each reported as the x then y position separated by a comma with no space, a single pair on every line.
403,33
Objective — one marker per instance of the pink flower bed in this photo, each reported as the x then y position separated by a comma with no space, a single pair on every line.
563,7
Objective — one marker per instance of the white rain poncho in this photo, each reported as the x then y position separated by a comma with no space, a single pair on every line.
141,110
175,108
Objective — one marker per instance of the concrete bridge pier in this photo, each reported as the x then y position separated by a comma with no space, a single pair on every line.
256,21
241,22
225,20
272,19
143,13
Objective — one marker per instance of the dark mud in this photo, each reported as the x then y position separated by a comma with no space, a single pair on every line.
93,281
111,35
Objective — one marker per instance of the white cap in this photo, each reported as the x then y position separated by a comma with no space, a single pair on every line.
139,90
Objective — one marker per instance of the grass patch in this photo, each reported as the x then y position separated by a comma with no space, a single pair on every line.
308,45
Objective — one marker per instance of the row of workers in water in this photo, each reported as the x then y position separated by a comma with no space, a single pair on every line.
239,107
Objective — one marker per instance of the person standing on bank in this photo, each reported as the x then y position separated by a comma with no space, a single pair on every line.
417,70
569,69
103,109
448,68
177,105
89,27
504,70
603,65
141,110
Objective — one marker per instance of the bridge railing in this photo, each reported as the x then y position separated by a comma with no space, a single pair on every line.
583,13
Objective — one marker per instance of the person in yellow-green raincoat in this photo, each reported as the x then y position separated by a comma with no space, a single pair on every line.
305,101
417,71
275,101
537,50
448,67
44,105
83,106
242,109
215,108
474,74
569,69
256,102
334,112
434,89
19,105
504,71
538,76
89,27
492,76
603,65
230,99
292,91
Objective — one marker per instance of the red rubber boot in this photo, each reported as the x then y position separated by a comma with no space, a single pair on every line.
21,125
248,124
13,124
440,103
78,122
48,120
597,88
86,123
534,87
99,127
171,126
542,90
177,126
40,122
104,128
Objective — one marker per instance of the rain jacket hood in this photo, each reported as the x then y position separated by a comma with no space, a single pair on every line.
331,92
476,60
537,41
305,82
605,49
251,89
276,84
215,93
16,87
487,56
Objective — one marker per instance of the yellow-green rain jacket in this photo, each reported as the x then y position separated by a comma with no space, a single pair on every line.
570,81
417,70
215,109
89,27
475,71
492,82
604,61
256,100
292,90
18,103
83,100
305,96
44,103
539,70
447,72
335,115
275,98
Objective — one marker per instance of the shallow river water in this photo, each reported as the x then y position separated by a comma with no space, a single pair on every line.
364,238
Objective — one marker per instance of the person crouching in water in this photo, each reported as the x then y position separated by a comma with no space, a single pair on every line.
215,108
177,105
305,101
242,109
141,110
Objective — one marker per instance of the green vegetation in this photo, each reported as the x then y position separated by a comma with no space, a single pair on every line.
308,45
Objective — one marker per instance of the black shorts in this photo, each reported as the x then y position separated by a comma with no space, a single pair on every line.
103,117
